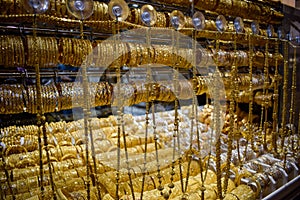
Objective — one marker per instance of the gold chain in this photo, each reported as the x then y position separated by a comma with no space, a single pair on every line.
275,99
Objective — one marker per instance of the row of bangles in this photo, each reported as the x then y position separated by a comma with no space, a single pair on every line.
48,52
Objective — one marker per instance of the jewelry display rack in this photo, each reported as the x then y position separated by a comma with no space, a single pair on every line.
177,99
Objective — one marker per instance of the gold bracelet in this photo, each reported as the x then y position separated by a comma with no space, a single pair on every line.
30,99
44,97
20,50
8,99
134,54
50,50
56,51
47,51
62,50
101,58
69,51
51,106
16,50
88,52
15,100
66,98
65,55
52,61
5,47
21,97
35,103
84,52
56,100
108,53
25,99
77,52
81,51
98,60
2,56
40,52
7,53
29,51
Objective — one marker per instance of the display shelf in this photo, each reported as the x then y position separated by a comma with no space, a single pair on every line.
137,100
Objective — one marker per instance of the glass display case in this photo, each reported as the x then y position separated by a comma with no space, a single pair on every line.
137,100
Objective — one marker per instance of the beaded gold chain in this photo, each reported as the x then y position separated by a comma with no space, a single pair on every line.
266,101
149,91
216,125
261,132
291,130
87,114
275,99
41,119
282,130
118,74
232,107
250,135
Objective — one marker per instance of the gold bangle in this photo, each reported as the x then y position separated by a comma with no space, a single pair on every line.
8,100
48,51
20,48
96,58
44,96
63,96
2,56
134,56
79,51
62,50
84,52
6,52
30,98
55,51
15,100
30,55
15,50
56,100
40,52
51,53
35,103
102,57
76,50
70,51
21,98
65,47
50,105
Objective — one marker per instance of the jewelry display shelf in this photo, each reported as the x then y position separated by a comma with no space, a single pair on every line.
129,76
